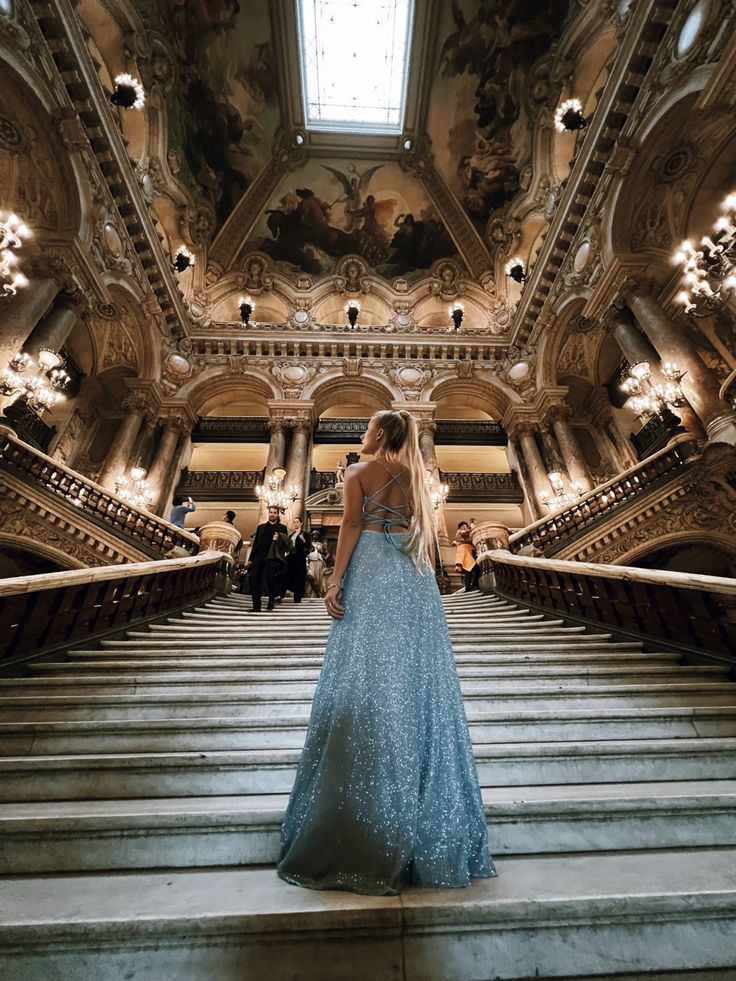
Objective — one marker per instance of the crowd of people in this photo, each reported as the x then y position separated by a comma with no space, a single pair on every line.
280,560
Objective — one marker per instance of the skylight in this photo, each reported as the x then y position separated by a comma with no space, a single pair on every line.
354,61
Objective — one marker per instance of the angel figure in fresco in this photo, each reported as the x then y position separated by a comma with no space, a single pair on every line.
354,188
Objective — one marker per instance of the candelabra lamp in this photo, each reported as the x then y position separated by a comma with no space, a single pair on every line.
183,259
39,383
12,233
560,498
515,270
569,116
648,398
456,312
247,307
128,93
273,493
352,309
134,489
709,273
438,492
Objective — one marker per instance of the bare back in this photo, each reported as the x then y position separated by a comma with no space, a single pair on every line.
386,495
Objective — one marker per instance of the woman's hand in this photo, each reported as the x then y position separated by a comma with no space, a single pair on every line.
332,603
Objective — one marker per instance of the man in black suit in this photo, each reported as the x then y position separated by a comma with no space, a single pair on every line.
296,563
267,562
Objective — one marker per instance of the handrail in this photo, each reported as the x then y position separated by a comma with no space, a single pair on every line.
38,613
690,613
604,498
91,499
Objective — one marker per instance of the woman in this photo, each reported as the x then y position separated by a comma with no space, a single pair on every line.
465,561
386,794
296,563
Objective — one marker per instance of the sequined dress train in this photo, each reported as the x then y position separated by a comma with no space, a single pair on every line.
386,793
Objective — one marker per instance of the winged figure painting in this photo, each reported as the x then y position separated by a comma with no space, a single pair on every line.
354,187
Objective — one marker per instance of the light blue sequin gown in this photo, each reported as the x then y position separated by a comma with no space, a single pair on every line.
386,793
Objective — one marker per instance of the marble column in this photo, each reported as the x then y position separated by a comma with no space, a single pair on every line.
535,466
276,455
427,429
163,459
634,346
182,456
518,463
296,468
577,468
700,384
118,457
53,330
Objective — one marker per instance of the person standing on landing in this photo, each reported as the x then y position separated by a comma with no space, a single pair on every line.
296,563
386,793
267,561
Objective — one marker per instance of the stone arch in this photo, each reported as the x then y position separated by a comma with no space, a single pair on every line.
329,388
490,395
39,179
215,381
554,337
718,540
40,549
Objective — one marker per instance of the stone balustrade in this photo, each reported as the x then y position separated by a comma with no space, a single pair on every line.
22,466
51,612
689,613
602,501
216,485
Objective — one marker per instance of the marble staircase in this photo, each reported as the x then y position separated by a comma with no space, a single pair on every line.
144,781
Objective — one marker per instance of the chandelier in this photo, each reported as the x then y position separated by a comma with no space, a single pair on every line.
560,498
12,233
129,93
648,399
134,489
709,273
39,383
274,494
569,116
437,491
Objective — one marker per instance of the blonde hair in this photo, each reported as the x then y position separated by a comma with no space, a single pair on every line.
401,443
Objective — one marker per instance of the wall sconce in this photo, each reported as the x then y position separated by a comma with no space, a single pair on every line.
456,312
647,399
183,259
247,306
515,270
352,309
569,116
273,493
560,498
129,93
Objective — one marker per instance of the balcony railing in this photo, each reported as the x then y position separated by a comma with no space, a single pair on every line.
463,486
562,525
689,613
231,429
53,611
32,466
220,485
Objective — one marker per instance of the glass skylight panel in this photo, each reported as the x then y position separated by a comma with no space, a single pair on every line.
354,62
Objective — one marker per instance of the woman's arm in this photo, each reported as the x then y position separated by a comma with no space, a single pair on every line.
350,529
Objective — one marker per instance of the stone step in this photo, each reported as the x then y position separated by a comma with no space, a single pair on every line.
181,705
285,659
317,619
161,631
544,916
237,645
490,682
191,832
272,771
165,735
185,670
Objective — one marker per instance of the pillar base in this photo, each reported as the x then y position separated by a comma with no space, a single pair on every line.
722,429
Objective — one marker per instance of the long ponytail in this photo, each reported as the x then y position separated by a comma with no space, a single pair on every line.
402,445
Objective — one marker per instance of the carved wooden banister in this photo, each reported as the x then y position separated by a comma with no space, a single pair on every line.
17,457
41,613
606,498
689,613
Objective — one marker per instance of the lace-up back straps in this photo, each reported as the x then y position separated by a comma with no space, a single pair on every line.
398,515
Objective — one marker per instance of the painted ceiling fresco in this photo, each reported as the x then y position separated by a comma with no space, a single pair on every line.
478,121
222,101
328,209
